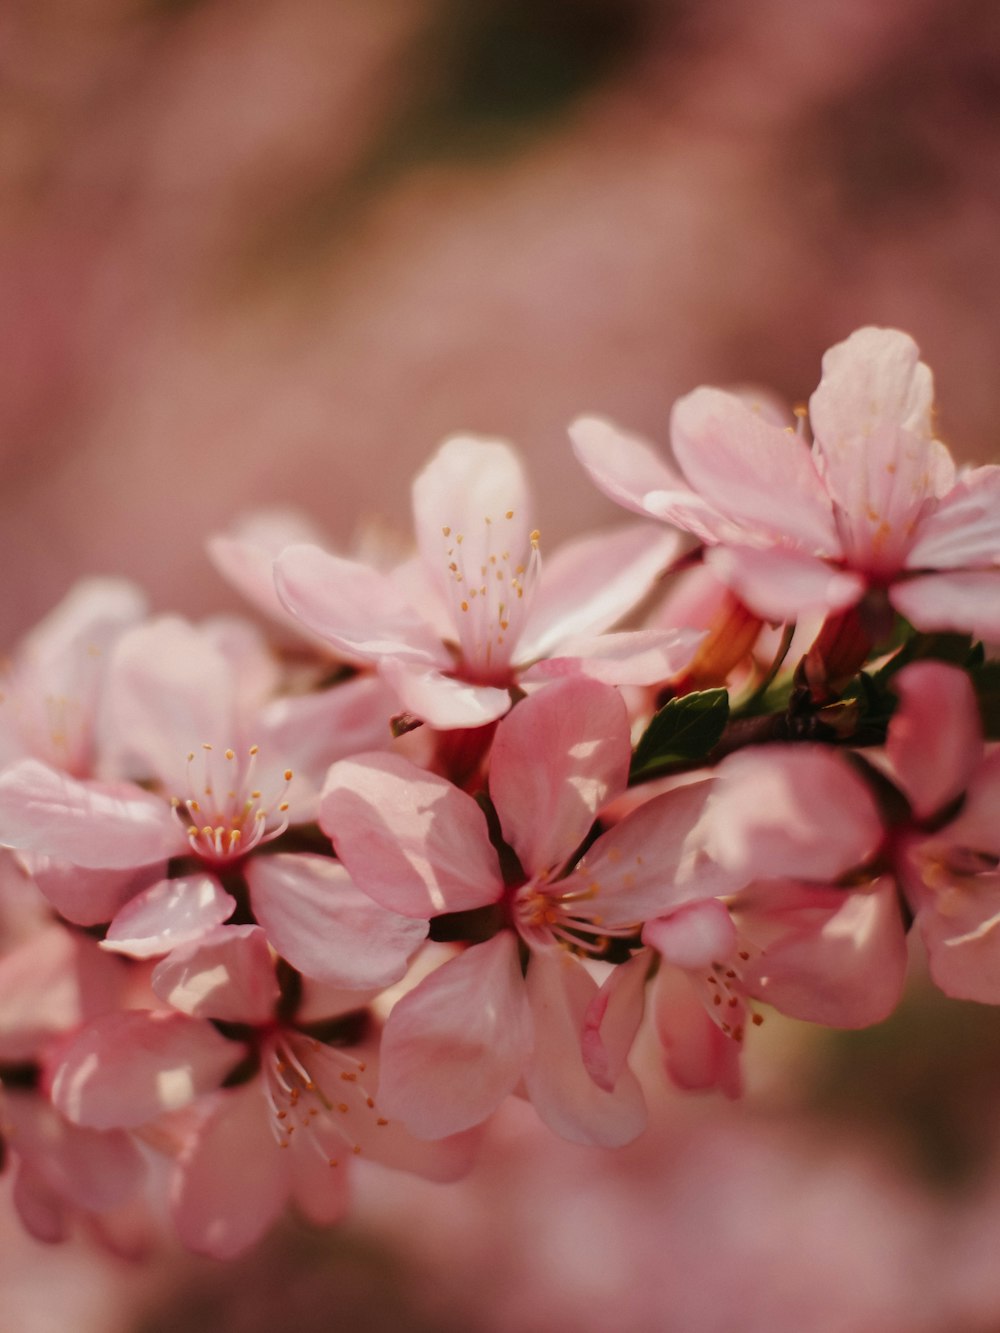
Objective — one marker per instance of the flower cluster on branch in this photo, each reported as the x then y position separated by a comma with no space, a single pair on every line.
265,913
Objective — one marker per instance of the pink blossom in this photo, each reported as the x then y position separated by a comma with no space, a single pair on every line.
875,506
452,632
463,1039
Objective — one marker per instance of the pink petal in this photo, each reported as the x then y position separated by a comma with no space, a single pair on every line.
791,811
356,609
462,498
88,897
557,758
833,957
964,528
731,456
961,932
637,657
781,584
455,1047
93,824
694,936
612,1020
871,419
977,827
232,1181
652,860
935,736
325,926
559,1084
169,913
441,700
591,583
227,974
126,1068
413,841
697,1054
170,690
966,602
625,467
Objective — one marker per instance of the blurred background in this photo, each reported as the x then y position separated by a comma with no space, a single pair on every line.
273,252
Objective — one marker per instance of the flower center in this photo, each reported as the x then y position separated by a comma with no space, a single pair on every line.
491,590
225,815
316,1094
545,917
723,992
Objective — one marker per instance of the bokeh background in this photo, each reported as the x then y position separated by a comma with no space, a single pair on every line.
256,252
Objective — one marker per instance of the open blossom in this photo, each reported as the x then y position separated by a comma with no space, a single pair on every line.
295,1111
874,506
458,1043
452,632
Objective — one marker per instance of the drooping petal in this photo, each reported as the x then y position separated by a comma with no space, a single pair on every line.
126,1068
612,1020
232,1181
412,840
455,1047
790,811
588,584
557,758
963,530
442,701
781,584
963,601
694,935
560,1086
326,927
626,468
88,897
731,456
934,740
636,657
113,826
226,975
356,609
697,1054
960,927
169,913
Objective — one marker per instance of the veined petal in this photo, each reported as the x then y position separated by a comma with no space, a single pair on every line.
356,609
455,1047
410,839
557,758
731,455
934,740
625,467
781,584
93,824
964,528
589,584
327,928
126,1068
964,601
559,1084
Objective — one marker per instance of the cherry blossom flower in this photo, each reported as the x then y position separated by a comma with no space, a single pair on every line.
875,507
459,1042
454,631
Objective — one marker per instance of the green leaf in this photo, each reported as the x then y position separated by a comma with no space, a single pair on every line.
684,730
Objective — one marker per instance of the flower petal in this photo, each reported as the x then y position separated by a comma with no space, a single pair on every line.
964,529
455,1047
625,467
781,584
934,740
326,927
413,841
169,913
966,602
441,700
557,758
636,657
226,975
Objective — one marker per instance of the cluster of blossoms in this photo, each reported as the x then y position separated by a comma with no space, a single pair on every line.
263,914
